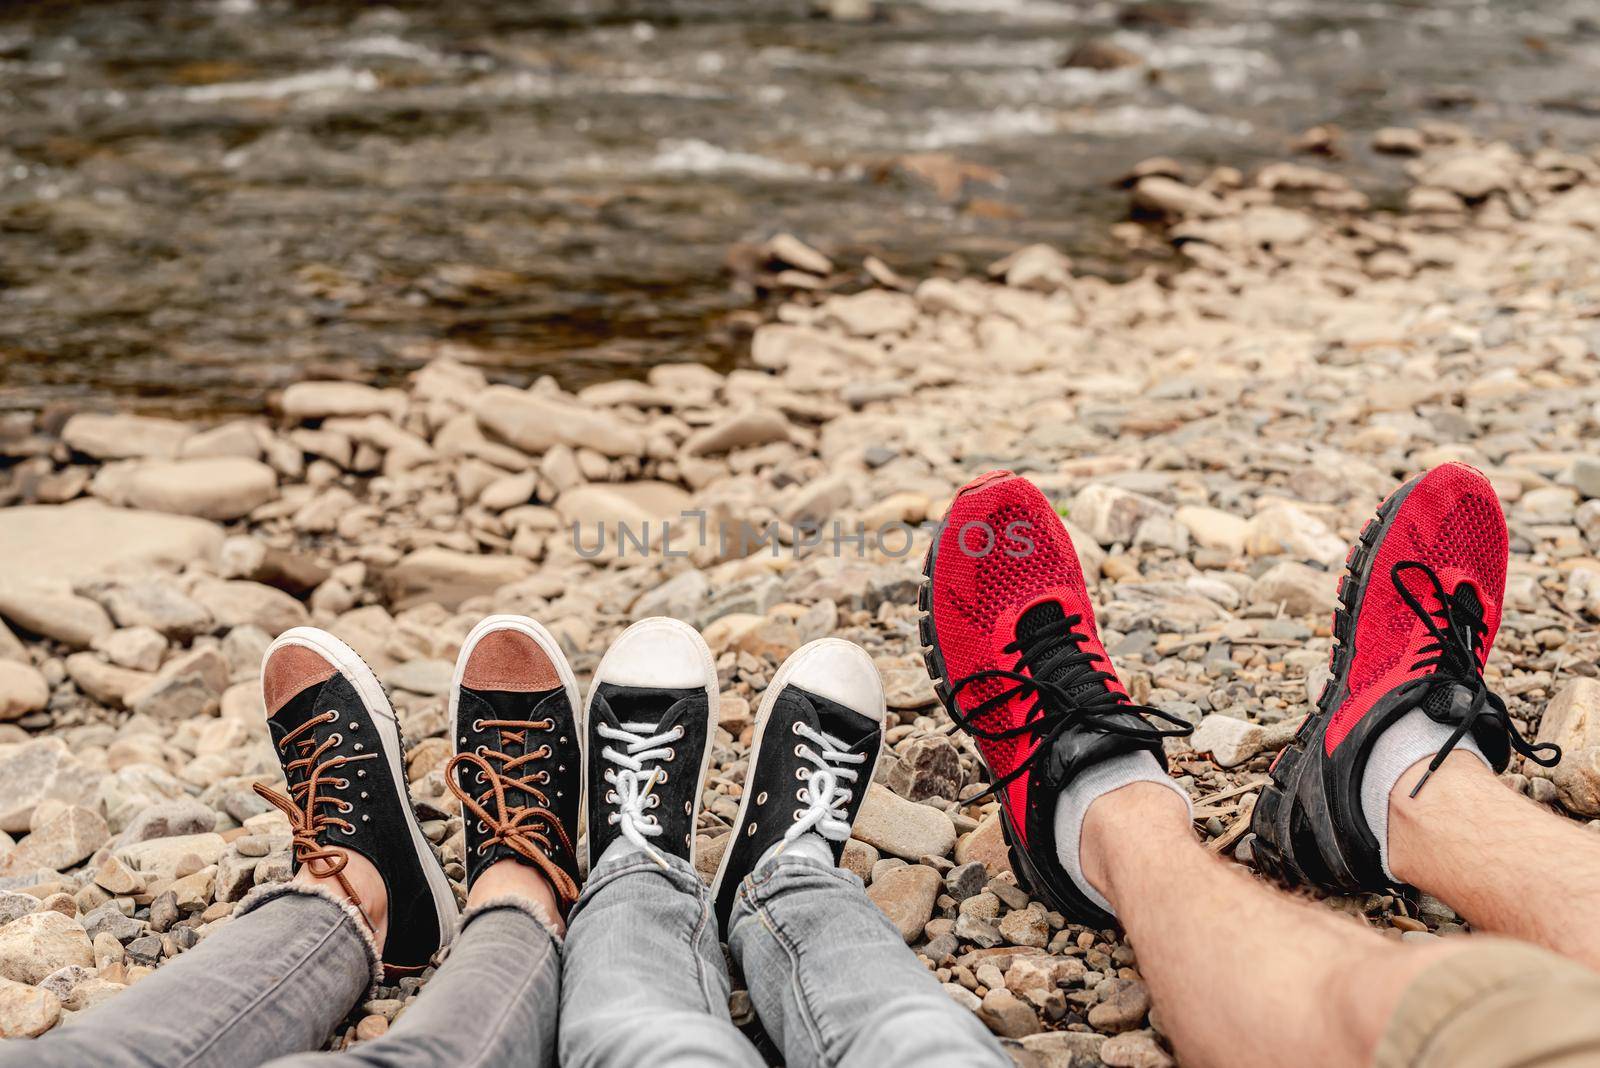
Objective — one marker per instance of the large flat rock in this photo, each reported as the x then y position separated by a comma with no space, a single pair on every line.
73,542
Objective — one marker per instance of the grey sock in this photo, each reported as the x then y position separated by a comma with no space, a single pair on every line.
1074,802
1410,738
811,845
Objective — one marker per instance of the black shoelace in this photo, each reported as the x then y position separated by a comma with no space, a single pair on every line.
1069,691
1458,632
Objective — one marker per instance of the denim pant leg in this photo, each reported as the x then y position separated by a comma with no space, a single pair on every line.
833,981
276,979
644,980
492,1002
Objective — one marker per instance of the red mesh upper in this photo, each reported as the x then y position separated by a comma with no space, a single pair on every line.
1451,521
977,597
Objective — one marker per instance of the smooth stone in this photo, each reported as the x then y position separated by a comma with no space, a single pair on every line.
903,828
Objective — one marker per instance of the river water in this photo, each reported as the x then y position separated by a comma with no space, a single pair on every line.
200,201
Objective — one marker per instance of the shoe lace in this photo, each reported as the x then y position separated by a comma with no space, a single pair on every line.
304,804
1458,631
532,831
829,785
638,749
1068,692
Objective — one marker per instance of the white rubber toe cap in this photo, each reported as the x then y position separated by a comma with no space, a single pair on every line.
840,671
658,652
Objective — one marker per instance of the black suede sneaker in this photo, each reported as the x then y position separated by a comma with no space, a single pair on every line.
818,735
518,768
339,743
651,708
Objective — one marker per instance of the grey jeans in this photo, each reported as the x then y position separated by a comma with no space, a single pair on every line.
641,979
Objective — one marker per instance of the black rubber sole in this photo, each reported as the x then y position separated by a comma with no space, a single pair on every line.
1021,866
1293,802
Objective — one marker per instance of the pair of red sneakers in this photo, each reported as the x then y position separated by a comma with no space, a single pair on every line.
1009,637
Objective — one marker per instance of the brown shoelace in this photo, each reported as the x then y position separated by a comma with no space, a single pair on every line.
533,832
303,803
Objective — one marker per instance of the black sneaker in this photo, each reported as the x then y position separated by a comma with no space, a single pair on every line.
647,740
339,742
518,768
818,735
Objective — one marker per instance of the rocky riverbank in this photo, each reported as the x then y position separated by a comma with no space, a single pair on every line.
1215,437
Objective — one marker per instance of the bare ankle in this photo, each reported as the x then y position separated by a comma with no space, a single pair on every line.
1140,812
359,884
1441,797
511,878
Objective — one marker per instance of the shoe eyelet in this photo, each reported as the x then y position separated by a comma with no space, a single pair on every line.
797,752
481,828
655,801
336,739
480,752
662,781
479,850
761,798
800,795
672,753
794,728
477,724
750,831
354,725
345,806
611,797
802,774
688,808
798,814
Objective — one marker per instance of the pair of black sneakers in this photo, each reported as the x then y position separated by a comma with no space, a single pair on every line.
533,764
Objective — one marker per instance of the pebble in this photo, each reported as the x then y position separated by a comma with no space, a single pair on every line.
1214,449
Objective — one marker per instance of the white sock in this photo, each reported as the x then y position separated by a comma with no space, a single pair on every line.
619,847
1073,804
811,845
1411,738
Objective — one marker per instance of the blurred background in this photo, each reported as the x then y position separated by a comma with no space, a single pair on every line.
202,200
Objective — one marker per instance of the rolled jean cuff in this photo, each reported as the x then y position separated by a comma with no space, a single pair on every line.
261,895
534,910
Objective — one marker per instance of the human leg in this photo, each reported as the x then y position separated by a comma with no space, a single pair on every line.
829,975
644,978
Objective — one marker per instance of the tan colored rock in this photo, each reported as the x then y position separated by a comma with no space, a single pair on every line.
22,690
219,488
533,423
53,611
1299,589
238,603
1572,721
59,843
1212,528
906,895
305,401
124,437
37,944
903,828
105,683
986,844
26,1011
447,577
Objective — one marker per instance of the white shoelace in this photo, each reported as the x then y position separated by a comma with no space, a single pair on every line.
829,786
632,783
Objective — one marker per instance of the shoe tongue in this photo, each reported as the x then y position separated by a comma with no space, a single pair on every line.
1054,667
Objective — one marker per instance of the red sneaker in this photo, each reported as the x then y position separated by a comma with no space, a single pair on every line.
1010,640
1419,608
